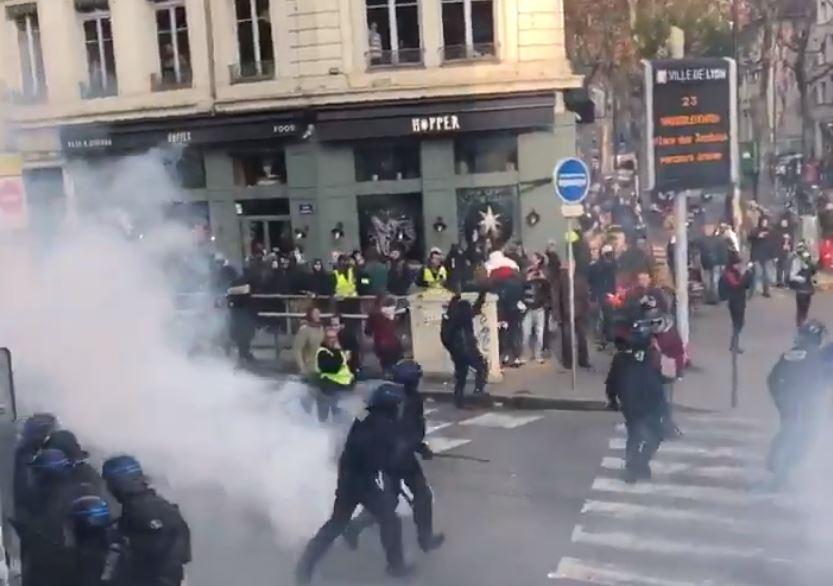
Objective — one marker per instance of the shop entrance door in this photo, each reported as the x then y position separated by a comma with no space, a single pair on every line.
266,233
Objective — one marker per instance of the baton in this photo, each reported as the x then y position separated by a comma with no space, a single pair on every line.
462,457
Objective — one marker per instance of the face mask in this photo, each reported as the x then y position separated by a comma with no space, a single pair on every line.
389,311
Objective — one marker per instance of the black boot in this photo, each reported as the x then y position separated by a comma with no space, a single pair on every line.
431,542
400,571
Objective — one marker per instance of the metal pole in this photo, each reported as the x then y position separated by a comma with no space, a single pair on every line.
734,376
571,270
681,264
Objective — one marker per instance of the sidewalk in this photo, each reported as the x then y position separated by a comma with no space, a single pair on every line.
706,386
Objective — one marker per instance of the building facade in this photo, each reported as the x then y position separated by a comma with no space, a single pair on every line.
338,123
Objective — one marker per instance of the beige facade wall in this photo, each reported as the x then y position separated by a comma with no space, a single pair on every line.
320,49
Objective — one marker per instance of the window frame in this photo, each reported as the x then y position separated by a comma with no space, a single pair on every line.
170,6
393,32
36,84
468,31
257,46
98,17
402,150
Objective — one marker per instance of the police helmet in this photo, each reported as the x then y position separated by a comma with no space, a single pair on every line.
121,467
407,372
90,512
38,427
66,441
640,334
811,333
386,397
50,462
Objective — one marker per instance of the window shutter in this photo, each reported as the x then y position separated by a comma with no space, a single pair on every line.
90,5
16,11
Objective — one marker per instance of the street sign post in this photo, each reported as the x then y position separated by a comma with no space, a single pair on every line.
692,142
571,180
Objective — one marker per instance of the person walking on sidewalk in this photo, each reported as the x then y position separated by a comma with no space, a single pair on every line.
457,336
762,251
802,281
536,300
733,286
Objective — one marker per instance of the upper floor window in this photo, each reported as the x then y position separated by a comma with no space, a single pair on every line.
387,160
174,50
486,153
25,17
101,58
393,33
262,167
468,29
254,41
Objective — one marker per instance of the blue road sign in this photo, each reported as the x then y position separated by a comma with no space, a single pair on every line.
571,179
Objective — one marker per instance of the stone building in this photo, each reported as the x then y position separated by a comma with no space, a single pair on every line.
338,123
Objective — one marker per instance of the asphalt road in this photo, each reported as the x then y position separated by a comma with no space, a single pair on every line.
549,508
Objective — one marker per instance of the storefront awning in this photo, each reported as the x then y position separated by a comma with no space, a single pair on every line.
88,139
438,117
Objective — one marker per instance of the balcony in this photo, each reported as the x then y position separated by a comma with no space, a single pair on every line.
94,90
394,59
252,72
162,82
462,53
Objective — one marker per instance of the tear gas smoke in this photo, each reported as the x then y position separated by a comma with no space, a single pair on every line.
88,320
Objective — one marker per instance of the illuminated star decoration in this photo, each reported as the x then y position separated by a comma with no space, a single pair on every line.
489,222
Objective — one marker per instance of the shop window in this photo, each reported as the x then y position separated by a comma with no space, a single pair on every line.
25,18
387,160
259,168
254,41
393,33
101,59
468,29
174,49
186,168
486,153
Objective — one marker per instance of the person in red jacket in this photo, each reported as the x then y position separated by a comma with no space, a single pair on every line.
736,280
381,325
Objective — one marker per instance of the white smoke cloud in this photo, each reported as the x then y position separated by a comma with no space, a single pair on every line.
89,324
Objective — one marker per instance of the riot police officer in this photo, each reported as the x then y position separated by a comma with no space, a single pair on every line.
797,383
637,385
98,549
80,470
457,336
159,538
411,439
35,431
47,556
369,453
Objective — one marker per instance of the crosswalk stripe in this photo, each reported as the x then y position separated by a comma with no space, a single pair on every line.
635,512
722,420
735,436
430,411
682,448
719,495
665,468
435,426
501,420
667,546
439,444
606,574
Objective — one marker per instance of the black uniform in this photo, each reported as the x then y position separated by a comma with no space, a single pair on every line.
408,471
369,452
242,318
159,538
797,385
637,385
457,335
49,556
98,558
